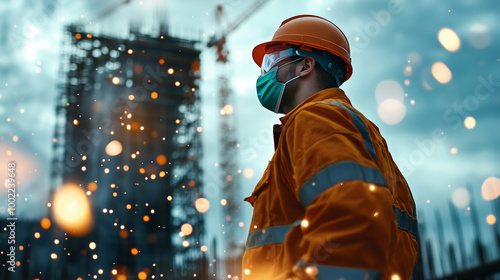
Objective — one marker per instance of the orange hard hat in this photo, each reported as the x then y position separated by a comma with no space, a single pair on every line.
309,31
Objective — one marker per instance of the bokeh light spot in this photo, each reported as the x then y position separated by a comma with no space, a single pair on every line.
186,229
113,148
388,89
142,275
441,72
202,205
479,36
161,159
92,186
449,39
45,223
491,219
228,109
470,122
248,173
490,189
72,210
391,111
460,198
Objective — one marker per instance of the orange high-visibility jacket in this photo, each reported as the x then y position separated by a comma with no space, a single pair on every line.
332,204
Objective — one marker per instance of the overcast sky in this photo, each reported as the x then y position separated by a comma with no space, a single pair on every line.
394,46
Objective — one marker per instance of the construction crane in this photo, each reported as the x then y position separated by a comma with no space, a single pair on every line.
228,141
111,9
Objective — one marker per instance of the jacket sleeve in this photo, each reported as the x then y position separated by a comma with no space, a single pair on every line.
348,210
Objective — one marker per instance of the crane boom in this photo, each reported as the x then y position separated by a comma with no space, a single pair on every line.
257,5
111,9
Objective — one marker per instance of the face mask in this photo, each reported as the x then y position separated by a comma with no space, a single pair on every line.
270,91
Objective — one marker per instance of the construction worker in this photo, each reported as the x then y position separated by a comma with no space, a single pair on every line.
331,204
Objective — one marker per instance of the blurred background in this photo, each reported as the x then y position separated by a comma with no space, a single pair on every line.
136,132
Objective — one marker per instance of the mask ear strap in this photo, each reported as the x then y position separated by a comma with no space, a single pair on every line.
292,79
285,83
299,59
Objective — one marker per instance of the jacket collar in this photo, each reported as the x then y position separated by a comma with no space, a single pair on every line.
329,93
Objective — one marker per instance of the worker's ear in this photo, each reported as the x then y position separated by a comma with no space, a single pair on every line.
306,66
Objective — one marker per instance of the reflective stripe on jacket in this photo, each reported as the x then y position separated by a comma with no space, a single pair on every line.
331,203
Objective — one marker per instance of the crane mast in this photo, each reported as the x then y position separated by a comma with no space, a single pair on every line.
228,140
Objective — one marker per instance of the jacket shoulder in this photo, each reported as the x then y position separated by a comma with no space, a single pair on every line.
322,117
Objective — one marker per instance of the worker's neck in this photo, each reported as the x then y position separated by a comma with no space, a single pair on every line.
305,89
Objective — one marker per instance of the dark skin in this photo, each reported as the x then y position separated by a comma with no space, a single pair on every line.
303,87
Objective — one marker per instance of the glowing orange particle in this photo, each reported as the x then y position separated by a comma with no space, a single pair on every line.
142,275
142,170
92,186
45,223
146,218
78,36
154,95
161,61
161,159
134,251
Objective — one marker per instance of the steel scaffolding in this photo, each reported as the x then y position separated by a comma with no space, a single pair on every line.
142,93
